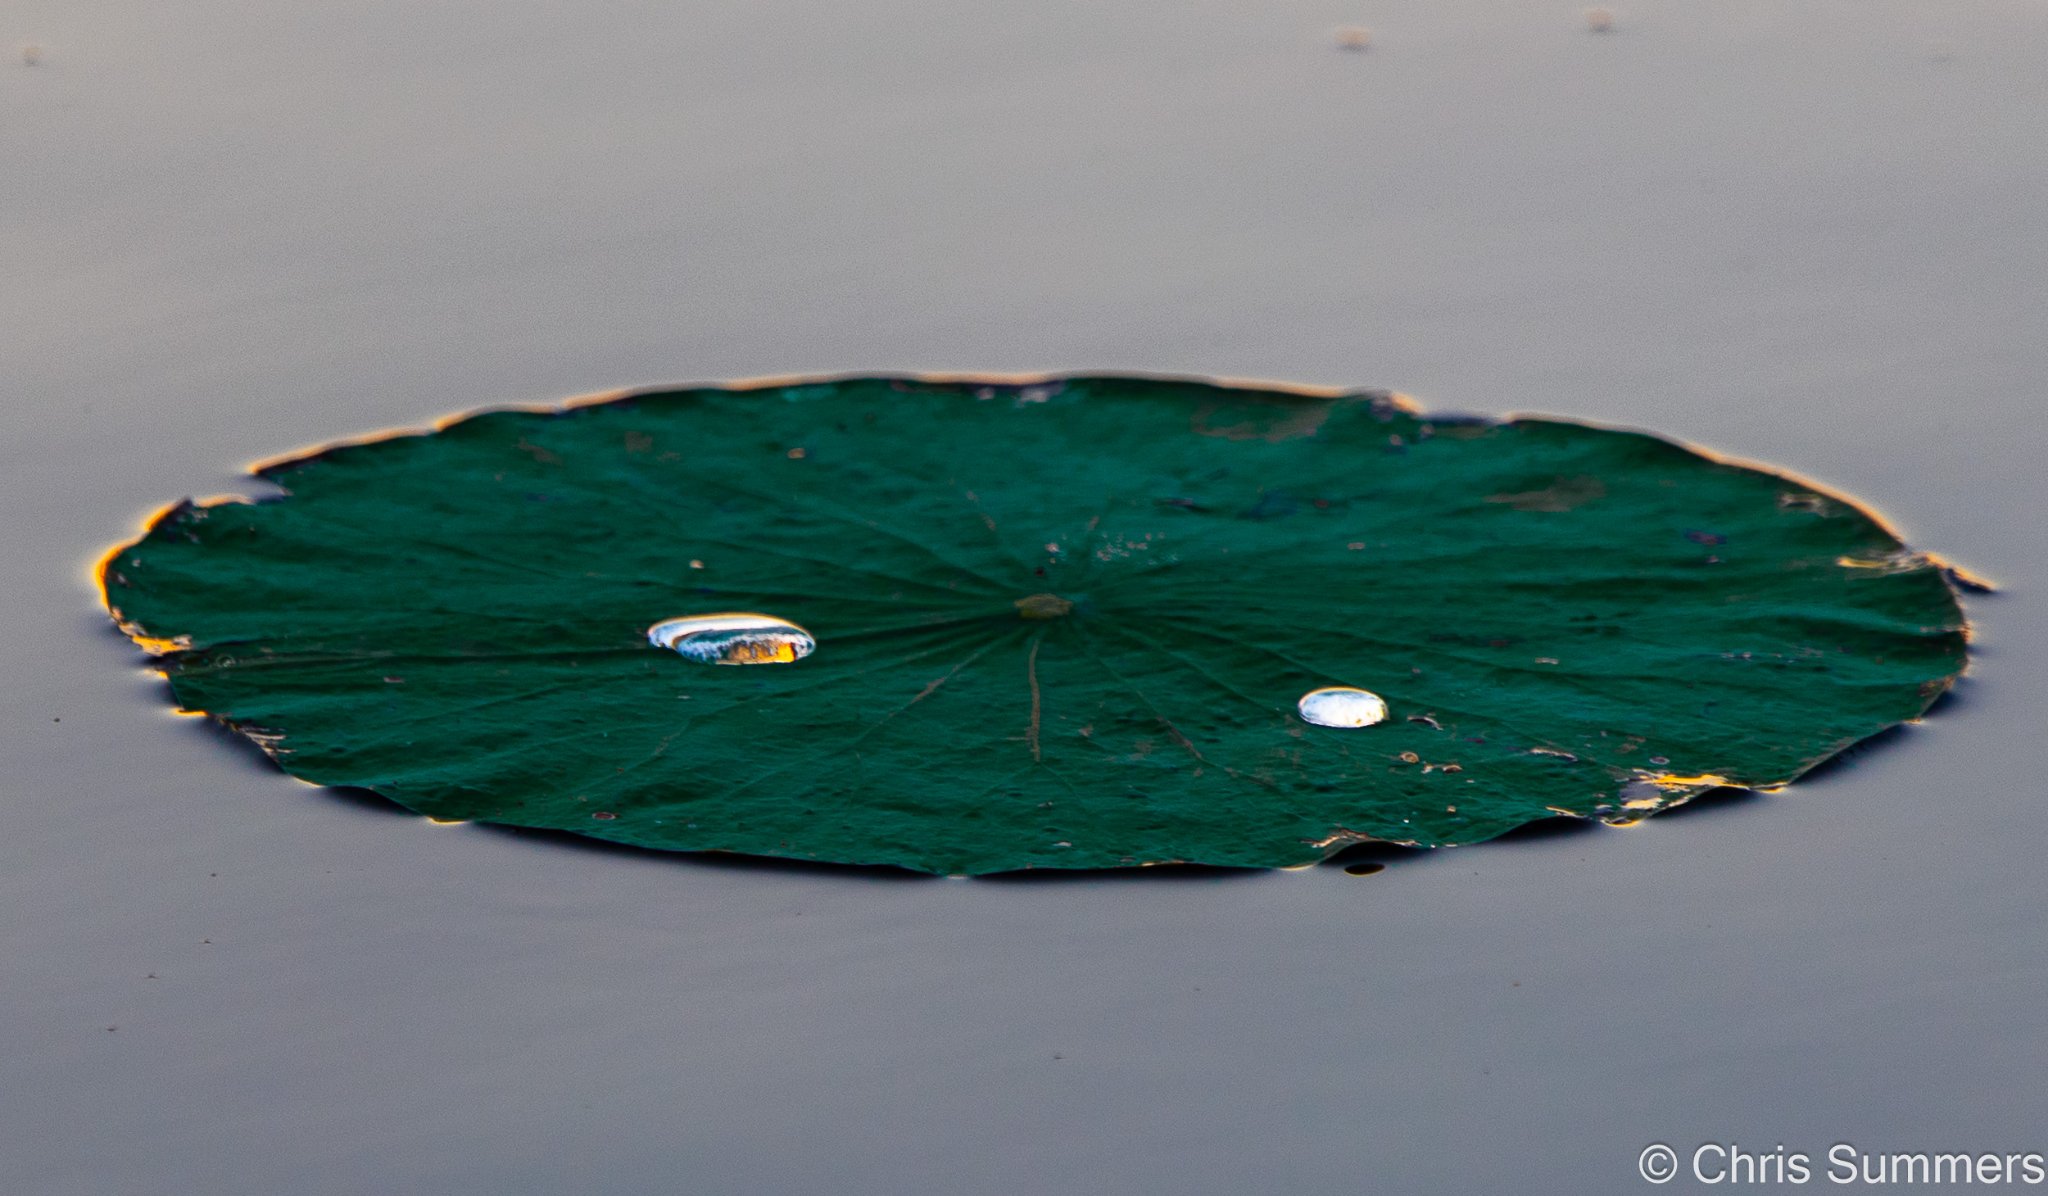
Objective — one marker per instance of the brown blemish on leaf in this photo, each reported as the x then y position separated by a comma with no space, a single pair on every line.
1031,674
1561,495
537,452
1900,560
1796,500
1262,419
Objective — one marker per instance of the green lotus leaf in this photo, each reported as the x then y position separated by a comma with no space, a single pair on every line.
1069,623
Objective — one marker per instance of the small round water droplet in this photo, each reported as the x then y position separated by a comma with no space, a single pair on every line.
733,637
1342,706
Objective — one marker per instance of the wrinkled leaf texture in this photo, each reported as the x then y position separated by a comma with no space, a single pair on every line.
1563,619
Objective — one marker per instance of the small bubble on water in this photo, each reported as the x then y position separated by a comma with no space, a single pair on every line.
734,637
1342,706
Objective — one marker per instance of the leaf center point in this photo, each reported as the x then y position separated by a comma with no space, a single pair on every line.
1043,606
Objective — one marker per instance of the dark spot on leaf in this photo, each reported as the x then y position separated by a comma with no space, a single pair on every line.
1271,504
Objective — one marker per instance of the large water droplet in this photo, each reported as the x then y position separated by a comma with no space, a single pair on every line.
1342,706
733,637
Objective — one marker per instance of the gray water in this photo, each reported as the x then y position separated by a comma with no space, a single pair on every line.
1810,234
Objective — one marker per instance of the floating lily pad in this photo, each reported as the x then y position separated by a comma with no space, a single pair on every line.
1078,623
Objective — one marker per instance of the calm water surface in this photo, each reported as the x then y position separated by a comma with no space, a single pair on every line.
1810,234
